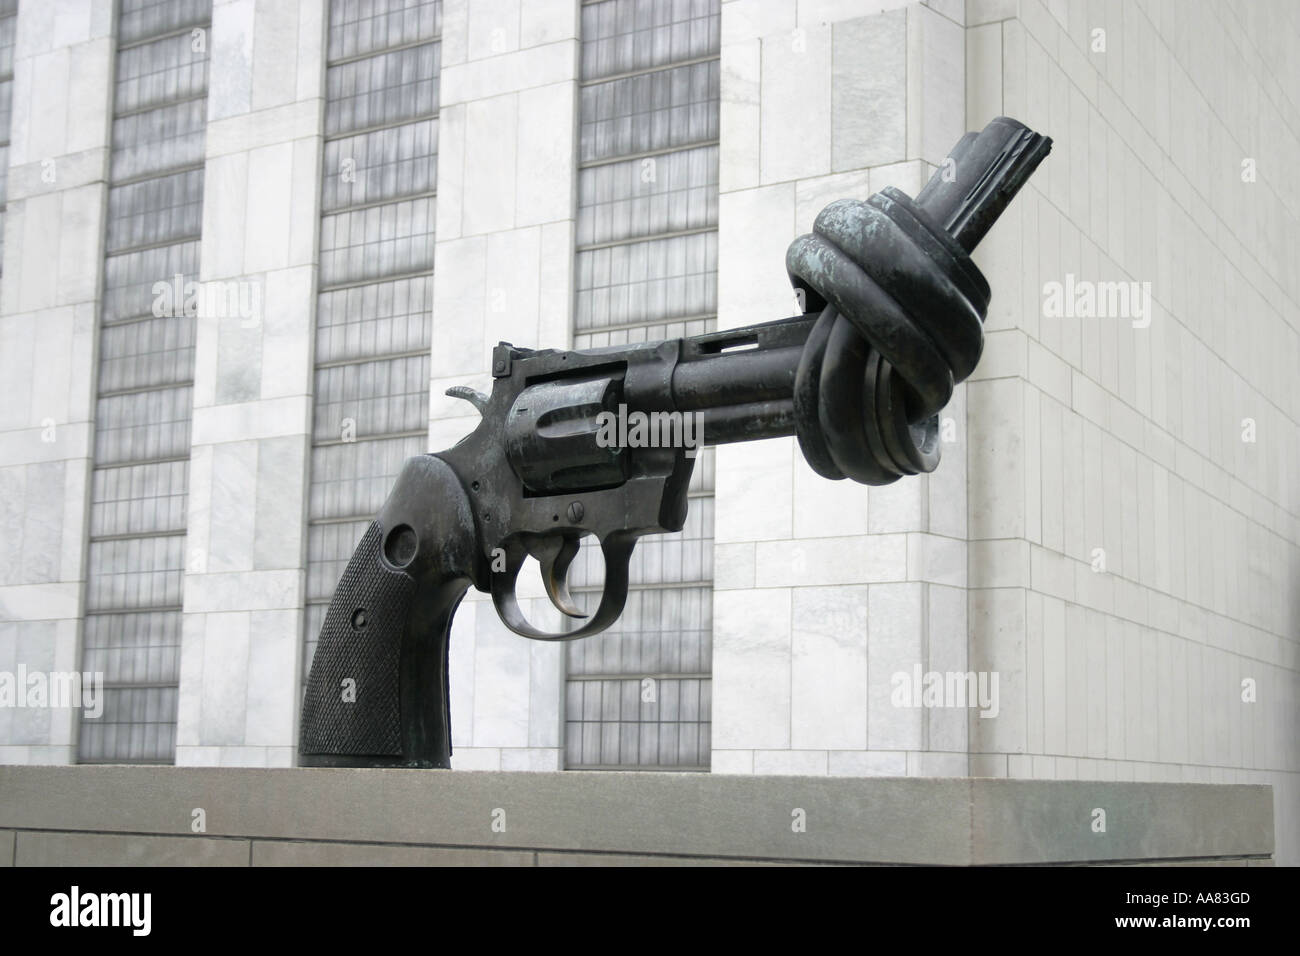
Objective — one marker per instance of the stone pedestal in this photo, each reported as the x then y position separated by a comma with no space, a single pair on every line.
116,815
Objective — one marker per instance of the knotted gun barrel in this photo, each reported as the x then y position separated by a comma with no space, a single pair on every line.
899,309
893,319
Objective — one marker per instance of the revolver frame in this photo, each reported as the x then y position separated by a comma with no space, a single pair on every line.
644,489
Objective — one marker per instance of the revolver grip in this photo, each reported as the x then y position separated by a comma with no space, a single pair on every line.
377,695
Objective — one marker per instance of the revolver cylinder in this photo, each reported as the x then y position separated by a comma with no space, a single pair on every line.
553,436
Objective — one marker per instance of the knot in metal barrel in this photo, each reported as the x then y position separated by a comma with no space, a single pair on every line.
902,311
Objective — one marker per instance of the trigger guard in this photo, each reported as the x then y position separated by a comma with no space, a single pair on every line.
618,555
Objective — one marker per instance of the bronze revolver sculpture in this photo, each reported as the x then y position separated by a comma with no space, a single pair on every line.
894,311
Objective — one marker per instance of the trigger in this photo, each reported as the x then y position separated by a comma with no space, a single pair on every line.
555,554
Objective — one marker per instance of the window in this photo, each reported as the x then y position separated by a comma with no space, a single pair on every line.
145,379
639,695
8,25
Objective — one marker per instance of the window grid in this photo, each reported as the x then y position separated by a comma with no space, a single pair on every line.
8,32
636,198
141,19
138,725
152,211
131,280
639,696
626,35
113,645
382,89
8,27
666,109
145,353
358,27
375,302
374,319
361,169
139,499
393,239
7,103
143,426
162,71
139,485
648,281
376,398
165,138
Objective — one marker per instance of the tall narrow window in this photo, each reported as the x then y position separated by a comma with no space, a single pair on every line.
8,24
145,378
639,695
374,316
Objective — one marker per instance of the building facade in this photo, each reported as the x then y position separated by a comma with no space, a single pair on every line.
249,244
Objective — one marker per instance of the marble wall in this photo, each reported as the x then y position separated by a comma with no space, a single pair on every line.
49,303
1113,530
507,160
825,590
1134,512
244,581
